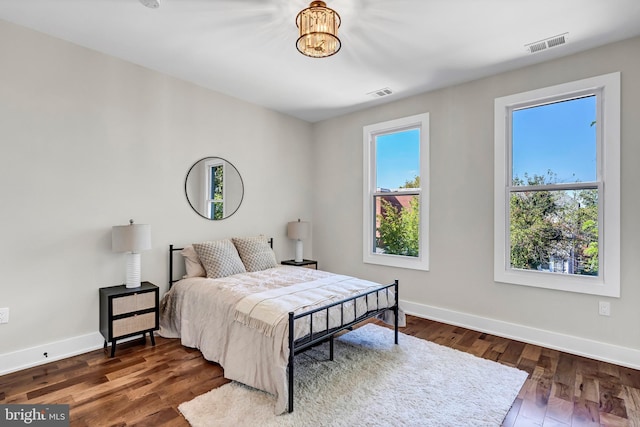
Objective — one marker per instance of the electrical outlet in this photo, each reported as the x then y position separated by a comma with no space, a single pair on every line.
604,308
4,315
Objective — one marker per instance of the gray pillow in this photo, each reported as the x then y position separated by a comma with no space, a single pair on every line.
219,258
255,252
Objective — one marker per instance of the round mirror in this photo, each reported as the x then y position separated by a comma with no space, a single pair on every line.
214,188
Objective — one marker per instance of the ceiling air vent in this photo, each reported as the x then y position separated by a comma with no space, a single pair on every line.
547,43
380,92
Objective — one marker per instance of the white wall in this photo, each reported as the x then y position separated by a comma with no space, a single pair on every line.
459,288
88,141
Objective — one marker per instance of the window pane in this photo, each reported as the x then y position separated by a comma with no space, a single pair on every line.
555,231
218,210
556,142
397,224
398,160
217,180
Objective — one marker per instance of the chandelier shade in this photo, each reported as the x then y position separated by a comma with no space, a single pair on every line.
318,29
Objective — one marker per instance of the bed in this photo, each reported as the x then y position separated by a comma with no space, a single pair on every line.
237,306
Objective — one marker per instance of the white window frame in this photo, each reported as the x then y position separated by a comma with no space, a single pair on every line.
420,262
607,283
209,204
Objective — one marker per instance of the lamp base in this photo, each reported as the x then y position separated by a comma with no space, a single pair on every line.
133,270
298,251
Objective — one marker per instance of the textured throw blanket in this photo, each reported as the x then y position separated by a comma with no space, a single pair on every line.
264,310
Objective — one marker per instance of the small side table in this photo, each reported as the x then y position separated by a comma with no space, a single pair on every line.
125,312
307,263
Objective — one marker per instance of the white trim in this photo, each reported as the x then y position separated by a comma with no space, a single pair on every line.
610,353
608,283
34,356
420,262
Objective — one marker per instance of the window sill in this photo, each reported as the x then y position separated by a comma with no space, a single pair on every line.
399,261
560,282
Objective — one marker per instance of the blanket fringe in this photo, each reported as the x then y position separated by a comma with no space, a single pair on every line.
263,327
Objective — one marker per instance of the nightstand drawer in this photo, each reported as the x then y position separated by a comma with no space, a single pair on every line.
133,324
134,302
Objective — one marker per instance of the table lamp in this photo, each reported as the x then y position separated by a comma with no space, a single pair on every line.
132,239
298,231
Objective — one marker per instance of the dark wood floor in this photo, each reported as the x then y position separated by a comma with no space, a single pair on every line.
143,385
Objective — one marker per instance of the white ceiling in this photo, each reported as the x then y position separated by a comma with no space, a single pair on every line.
246,48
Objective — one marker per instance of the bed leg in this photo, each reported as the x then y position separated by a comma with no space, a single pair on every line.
331,348
290,365
396,312
290,368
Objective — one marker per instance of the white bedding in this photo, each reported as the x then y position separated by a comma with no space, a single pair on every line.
202,312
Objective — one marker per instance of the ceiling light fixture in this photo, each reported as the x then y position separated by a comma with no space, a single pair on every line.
151,4
318,27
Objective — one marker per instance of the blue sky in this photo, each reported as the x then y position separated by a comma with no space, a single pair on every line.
557,137
397,158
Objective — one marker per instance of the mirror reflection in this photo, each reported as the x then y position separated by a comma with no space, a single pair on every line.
214,188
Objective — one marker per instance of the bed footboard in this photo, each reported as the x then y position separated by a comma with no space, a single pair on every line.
328,332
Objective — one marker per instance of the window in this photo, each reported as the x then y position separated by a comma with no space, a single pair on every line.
557,187
214,196
396,193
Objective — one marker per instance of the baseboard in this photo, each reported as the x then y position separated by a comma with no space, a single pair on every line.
623,356
34,356
610,353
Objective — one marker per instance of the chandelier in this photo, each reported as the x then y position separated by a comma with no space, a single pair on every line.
318,27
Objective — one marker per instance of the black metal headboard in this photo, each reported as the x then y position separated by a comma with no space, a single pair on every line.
173,249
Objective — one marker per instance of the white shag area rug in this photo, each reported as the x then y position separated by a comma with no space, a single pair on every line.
373,382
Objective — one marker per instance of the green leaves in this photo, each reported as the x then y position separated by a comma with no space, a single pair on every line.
551,228
399,228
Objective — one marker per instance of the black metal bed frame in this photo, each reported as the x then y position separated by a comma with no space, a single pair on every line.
312,339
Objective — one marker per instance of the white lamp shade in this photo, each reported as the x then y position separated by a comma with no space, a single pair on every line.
298,230
131,238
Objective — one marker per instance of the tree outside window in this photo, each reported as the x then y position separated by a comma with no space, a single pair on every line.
398,223
555,231
215,193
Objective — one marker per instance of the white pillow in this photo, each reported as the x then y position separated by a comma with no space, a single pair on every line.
192,264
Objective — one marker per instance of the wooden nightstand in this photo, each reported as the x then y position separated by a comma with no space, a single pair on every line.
308,263
125,312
